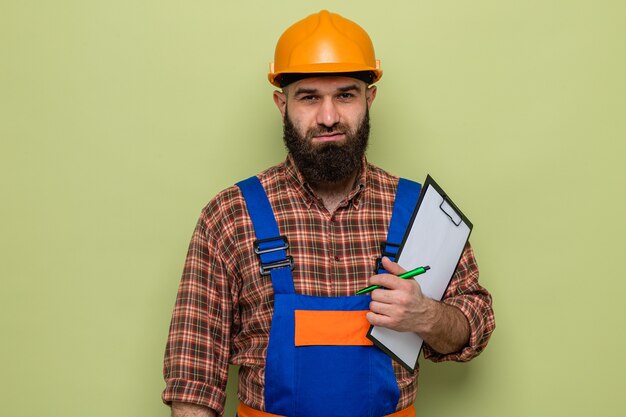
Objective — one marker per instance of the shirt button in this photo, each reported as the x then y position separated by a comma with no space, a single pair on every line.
336,258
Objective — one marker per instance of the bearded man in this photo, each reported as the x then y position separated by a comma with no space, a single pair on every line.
275,261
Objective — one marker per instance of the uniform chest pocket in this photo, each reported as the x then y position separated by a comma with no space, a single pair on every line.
331,328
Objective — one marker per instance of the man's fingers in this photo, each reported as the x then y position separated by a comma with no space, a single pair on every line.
378,319
390,282
382,308
381,295
392,267
383,320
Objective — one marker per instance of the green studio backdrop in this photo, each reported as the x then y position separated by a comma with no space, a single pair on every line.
119,120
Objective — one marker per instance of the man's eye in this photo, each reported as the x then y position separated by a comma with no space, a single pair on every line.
308,98
346,96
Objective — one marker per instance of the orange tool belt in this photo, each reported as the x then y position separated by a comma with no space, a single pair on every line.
245,411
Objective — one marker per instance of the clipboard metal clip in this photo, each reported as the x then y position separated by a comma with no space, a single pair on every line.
451,211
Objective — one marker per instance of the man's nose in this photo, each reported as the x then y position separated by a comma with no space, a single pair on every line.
328,114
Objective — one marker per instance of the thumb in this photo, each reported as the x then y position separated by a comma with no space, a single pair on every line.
392,267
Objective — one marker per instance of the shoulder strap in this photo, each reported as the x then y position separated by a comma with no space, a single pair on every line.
407,195
270,246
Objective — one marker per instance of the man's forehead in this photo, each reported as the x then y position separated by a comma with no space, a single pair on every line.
326,83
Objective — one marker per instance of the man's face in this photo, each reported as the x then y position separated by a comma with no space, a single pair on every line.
326,125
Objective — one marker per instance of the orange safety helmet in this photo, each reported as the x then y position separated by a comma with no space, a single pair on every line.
324,43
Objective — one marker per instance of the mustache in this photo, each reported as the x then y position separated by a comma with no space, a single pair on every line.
338,128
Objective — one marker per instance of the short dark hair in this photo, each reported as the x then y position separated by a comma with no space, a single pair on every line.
285,79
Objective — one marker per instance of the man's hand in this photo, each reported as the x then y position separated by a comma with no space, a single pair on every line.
191,410
403,307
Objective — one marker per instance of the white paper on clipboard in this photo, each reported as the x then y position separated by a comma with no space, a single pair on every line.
436,237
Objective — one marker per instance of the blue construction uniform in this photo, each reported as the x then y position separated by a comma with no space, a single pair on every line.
326,379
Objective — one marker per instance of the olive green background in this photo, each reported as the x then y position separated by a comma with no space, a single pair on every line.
119,120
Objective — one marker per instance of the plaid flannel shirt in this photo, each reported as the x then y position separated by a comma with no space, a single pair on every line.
224,307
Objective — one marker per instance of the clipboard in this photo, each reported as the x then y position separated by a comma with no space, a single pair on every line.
436,236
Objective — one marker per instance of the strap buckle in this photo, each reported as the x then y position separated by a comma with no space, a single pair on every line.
273,244
392,246
266,269
384,252
270,248
378,265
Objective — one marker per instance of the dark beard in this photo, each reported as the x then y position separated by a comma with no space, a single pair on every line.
327,162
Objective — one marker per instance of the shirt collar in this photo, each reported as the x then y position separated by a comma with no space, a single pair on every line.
293,175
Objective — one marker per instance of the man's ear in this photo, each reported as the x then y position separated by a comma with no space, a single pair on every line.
280,99
370,95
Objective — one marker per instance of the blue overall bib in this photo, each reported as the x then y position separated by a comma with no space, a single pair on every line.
310,375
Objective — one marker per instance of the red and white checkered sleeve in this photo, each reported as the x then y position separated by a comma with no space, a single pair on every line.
197,352
474,301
